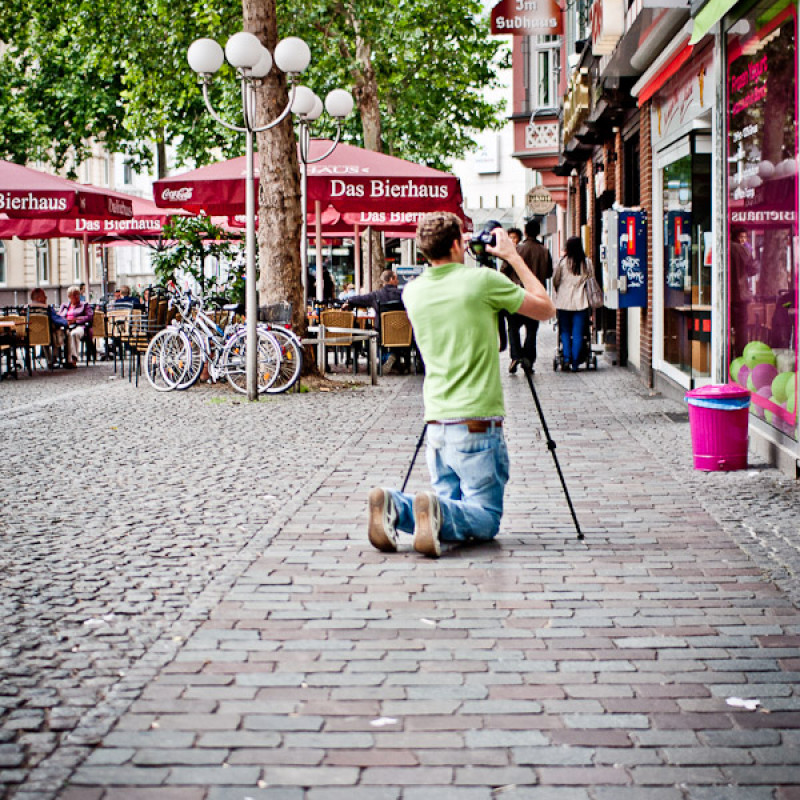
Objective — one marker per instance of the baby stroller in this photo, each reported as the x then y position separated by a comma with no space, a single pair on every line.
587,355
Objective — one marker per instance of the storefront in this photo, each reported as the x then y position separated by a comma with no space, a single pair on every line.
685,282
761,200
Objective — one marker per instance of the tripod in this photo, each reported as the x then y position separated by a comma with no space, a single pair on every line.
551,445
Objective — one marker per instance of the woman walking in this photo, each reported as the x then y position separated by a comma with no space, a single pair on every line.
572,307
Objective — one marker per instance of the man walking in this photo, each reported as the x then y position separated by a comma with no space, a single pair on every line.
539,261
453,309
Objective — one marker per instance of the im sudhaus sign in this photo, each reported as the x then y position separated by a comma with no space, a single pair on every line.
527,17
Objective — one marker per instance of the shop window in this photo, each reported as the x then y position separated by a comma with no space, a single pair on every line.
762,210
686,198
3,273
541,71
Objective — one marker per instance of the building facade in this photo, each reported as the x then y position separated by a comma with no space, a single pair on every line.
680,121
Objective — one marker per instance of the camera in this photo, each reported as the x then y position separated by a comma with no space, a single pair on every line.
483,239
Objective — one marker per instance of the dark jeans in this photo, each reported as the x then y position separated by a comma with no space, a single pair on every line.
572,327
518,349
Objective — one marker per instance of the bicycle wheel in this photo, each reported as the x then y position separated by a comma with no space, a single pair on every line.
291,360
164,341
189,360
268,361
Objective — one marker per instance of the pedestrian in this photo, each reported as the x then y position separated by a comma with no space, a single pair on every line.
539,261
453,309
569,282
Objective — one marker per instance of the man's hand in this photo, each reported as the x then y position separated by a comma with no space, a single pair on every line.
504,248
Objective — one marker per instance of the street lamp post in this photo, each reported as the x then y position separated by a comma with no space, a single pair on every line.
252,61
338,104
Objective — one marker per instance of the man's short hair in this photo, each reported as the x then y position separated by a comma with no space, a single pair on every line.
436,233
125,290
532,228
386,276
38,295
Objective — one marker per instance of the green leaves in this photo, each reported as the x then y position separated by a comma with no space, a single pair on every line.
116,71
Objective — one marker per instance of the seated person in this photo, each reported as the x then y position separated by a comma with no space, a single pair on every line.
349,292
389,294
126,299
58,324
79,318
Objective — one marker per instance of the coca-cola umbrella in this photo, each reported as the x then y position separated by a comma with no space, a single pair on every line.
351,179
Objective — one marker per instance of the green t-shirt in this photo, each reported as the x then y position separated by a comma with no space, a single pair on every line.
453,309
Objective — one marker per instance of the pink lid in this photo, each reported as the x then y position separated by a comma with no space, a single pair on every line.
727,390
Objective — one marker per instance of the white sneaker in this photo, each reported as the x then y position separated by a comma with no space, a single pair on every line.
389,363
382,520
427,524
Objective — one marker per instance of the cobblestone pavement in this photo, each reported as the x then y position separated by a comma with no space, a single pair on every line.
191,609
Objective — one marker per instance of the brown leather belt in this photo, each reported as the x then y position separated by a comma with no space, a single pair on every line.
473,425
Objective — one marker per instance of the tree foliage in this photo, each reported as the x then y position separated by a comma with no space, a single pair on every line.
116,71
427,63
188,243
111,71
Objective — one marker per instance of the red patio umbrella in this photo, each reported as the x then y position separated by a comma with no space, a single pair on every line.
28,193
146,222
351,179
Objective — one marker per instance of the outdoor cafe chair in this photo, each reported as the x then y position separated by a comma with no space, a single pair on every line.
98,332
396,334
39,335
334,318
21,328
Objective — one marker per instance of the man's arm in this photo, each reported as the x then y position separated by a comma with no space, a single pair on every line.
537,303
360,301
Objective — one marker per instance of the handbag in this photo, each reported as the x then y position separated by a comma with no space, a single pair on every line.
594,293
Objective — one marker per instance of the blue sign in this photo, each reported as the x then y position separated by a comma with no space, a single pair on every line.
632,253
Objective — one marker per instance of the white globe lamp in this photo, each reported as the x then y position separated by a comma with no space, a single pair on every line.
205,56
243,50
292,55
263,66
303,101
339,103
316,111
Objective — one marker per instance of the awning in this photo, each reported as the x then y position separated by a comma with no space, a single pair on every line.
673,56
708,16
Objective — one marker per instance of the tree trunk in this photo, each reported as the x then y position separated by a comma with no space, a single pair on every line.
365,93
161,156
279,216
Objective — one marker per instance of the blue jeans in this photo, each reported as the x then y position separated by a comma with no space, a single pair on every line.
572,326
469,472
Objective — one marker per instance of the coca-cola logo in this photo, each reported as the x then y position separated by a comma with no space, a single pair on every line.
180,195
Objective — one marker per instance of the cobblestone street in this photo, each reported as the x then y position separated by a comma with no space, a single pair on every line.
191,609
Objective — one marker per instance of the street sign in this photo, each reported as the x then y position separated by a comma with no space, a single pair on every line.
540,201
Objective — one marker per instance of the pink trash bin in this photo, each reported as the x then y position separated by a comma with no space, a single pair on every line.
718,418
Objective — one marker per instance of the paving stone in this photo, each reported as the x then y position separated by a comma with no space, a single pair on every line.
250,623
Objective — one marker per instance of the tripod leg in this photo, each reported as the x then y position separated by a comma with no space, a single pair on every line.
551,445
414,458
